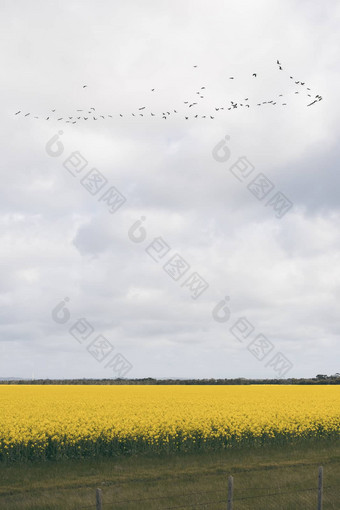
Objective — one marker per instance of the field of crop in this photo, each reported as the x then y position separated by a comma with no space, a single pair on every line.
54,422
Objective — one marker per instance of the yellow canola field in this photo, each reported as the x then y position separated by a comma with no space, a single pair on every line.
76,421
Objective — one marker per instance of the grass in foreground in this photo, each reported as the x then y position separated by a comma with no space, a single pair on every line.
71,484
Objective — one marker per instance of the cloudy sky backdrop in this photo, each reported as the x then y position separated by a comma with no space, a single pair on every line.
58,240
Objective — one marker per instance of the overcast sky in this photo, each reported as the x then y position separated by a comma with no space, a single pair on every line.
59,240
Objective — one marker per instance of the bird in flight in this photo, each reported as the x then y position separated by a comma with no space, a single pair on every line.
141,108
84,86
280,68
17,112
278,63
254,74
27,114
152,90
310,104
231,78
195,66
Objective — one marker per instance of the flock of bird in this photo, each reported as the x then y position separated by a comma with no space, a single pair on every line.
91,114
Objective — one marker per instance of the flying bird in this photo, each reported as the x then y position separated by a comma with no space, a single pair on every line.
310,104
152,90
195,66
84,86
143,107
231,78
27,114
17,112
280,68
254,74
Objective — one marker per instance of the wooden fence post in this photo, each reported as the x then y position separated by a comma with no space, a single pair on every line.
230,493
320,487
99,499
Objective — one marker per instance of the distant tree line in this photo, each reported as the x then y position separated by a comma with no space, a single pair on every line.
319,379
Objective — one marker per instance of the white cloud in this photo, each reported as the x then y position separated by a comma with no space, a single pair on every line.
58,241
